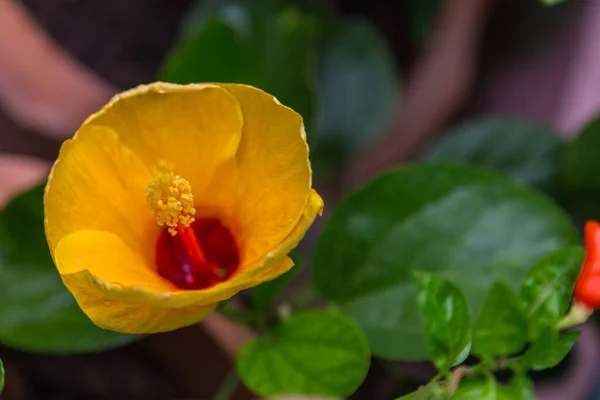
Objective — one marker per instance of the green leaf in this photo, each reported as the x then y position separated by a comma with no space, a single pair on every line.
472,226
1,376
520,387
549,349
37,313
312,353
265,44
506,393
526,151
547,289
476,389
356,91
501,328
267,293
447,322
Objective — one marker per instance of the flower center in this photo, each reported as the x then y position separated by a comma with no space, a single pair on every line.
192,253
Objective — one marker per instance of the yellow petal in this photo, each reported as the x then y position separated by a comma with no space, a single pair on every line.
273,174
97,183
195,127
125,317
103,254
264,272
84,255
114,272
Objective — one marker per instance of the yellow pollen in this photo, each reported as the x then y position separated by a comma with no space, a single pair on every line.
170,198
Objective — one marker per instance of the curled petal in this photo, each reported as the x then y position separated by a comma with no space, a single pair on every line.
133,318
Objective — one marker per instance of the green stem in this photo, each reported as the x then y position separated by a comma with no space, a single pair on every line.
227,387
577,315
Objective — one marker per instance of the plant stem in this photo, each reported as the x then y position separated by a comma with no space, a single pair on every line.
227,387
457,375
577,315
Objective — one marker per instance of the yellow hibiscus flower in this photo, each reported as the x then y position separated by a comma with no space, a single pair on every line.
173,198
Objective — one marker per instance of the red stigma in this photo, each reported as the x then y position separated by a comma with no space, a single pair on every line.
199,256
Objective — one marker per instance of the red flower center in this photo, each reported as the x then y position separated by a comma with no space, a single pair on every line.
199,256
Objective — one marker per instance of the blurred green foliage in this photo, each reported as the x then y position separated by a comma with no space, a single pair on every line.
528,152
267,293
532,154
356,91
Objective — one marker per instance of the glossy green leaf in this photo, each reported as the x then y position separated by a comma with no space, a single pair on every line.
549,349
476,389
37,313
312,353
472,226
1,376
447,322
528,152
356,91
547,289
501,328
267,293
265,44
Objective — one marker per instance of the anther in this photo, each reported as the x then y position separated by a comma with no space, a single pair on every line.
170,198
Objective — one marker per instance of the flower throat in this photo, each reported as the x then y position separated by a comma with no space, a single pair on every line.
191,252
